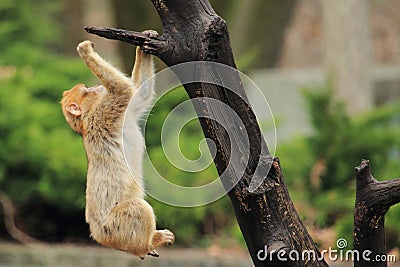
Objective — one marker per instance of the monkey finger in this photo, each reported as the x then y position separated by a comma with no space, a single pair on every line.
151,33
149,50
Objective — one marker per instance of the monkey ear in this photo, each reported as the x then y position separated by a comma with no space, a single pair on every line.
74,109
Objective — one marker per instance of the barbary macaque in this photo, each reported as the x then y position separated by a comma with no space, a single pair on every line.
116,212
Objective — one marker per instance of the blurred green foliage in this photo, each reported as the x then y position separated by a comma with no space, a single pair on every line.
337,145
29,23
39,155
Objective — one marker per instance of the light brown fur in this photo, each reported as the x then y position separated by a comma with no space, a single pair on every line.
118,215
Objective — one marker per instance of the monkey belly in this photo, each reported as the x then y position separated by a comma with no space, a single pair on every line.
129,227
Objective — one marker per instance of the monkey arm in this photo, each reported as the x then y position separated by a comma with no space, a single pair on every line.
143,69
110,77
144,65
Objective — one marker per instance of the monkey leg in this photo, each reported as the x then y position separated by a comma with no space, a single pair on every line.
130,227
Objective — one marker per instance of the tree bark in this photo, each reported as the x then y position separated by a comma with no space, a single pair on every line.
192,31
373,200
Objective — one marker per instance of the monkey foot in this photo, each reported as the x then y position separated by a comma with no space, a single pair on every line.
164,237
153,253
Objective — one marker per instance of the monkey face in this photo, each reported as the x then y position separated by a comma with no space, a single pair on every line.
78,101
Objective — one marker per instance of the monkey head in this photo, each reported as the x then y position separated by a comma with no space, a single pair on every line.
78,102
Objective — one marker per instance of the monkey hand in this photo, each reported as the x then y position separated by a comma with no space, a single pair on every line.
147,48
85,48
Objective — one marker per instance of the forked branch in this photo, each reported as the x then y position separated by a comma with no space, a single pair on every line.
373,200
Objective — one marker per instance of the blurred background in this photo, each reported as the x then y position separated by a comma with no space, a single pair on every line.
330,71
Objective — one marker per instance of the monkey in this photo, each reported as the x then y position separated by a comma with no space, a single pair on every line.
117,214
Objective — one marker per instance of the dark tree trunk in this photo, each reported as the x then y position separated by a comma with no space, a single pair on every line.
373,200
192,31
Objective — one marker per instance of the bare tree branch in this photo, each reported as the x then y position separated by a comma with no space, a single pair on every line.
373,200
